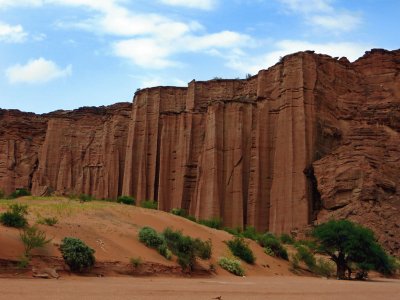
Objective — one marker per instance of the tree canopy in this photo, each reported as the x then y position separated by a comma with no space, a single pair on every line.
351,245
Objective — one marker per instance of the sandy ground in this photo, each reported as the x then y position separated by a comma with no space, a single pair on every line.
228,288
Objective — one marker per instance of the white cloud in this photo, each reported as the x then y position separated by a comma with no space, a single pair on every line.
340,22
36,71
12,34
200,4
323,15
252,64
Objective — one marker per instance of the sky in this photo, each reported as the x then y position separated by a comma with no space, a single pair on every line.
65,54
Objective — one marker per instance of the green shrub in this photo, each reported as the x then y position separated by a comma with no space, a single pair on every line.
76,254
179,212
15,216
126,200
186,248
270,241
136,261
149,204
85,198
286,239
20,193
33,238
303,254
150,237
241,249
212,223
231,265
250,233
164,251
50,221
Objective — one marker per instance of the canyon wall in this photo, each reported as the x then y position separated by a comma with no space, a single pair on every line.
310,138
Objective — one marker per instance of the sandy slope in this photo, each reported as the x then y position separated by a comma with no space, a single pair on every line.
111,229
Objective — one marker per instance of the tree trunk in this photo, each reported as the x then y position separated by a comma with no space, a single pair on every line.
341,267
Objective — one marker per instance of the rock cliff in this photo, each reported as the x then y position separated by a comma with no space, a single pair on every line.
310,138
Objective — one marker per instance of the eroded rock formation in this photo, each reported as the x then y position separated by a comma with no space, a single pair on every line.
309,138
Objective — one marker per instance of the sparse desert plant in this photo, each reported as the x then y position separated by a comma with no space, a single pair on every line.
33,238
215,223
324,268
15,216
231,265
20,193
126,200
271,242
203,249
136,261
149,204
49,221
303,254
179,212
241,249
76,254
150,237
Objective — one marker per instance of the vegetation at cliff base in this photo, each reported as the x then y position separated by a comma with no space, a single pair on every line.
351,247
15,216
126,200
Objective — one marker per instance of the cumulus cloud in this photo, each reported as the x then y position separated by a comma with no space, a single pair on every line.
251,64
36,71
12,34
200,4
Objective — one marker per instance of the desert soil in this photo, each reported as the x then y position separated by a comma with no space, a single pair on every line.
228,288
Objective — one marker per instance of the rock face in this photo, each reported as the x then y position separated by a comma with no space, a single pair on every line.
310,138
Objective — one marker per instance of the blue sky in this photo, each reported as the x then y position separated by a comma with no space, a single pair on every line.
64,54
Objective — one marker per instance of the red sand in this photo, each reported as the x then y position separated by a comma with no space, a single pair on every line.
228,288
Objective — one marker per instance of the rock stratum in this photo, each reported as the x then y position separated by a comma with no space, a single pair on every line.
311,138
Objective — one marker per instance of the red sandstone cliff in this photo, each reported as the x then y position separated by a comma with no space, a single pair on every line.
311,137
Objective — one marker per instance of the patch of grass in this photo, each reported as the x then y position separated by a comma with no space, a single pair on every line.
149,204
49,221
215,223
271,242
241,249
15,216
231,265
76,254
126,200
136,261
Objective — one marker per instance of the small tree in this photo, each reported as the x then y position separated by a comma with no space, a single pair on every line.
33,238
77,255
348,243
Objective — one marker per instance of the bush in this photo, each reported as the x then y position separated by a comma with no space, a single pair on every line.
50,221
76,254
271,242
286,239
212,223
179,212
126,200
149,204
33,238
250,233
241,249
136,261
164,251
85,198
150,237
231,265
303,254
186,248
15,216
20,193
